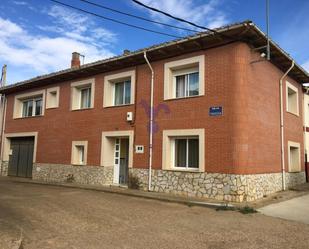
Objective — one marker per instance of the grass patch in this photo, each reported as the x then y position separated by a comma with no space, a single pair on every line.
134,182
243,210
247,210
225,208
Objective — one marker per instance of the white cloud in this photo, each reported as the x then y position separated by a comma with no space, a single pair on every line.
43,53
76,26
20,2
23,4
202,14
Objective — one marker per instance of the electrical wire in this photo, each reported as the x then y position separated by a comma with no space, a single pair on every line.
182,20
137,17
114,20
173,17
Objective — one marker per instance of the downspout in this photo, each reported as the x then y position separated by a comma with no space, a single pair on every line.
151,121
282,126
304,123
3,102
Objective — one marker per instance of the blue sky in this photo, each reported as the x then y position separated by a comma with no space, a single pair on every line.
38,36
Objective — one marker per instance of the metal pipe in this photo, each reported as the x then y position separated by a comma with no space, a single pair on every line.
267,27
282,125
151,122
3,103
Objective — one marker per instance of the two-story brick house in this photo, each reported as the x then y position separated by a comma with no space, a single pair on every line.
216,119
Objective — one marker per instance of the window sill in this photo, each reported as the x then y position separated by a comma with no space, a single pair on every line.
197,170
182,98
115,106
47,108
294,171
77,164
38,116
83,109
293,113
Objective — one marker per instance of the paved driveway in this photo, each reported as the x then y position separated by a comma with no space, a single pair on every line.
296,209
58,217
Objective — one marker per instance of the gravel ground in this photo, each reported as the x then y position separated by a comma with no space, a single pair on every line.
58,217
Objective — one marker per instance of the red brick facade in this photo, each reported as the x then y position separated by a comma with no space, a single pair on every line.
245,140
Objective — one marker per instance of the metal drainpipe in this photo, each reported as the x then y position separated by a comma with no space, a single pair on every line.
282,126
151,122
3,102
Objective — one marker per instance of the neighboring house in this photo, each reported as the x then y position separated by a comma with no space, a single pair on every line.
216,130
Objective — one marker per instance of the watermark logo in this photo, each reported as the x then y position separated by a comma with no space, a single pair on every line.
156,110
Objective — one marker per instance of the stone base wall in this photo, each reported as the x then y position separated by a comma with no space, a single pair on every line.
4,168
223,187
293,179
94,175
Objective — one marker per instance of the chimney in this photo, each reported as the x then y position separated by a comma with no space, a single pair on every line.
75,62
126,52
3,76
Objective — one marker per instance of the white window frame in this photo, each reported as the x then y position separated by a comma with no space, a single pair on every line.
109,87
168,148
124,92
52,97
74,154
180,73
173,68
294,145
76,88
88,88
173,150
33,100
20,98
295,89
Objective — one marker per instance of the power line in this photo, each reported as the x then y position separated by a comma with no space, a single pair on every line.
114,20
184,21
173,17
138,17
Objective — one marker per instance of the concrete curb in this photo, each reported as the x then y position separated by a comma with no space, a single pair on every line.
133,193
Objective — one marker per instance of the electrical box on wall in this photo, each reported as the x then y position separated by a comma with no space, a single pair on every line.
139,149
129,116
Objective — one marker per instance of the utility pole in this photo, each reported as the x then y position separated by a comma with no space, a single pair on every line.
267,29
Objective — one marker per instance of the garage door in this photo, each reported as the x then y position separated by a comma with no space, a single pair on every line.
21,158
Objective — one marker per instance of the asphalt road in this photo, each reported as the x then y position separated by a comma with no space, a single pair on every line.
58,217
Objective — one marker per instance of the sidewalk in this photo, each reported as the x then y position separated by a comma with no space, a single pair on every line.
190,201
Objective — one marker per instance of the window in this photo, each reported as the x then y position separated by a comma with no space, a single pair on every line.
79,152
186,153
292,98
184,78
52,100
122,93
187,85
183,150
294,157
85,98
29,104
82,95
32,107
119,89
